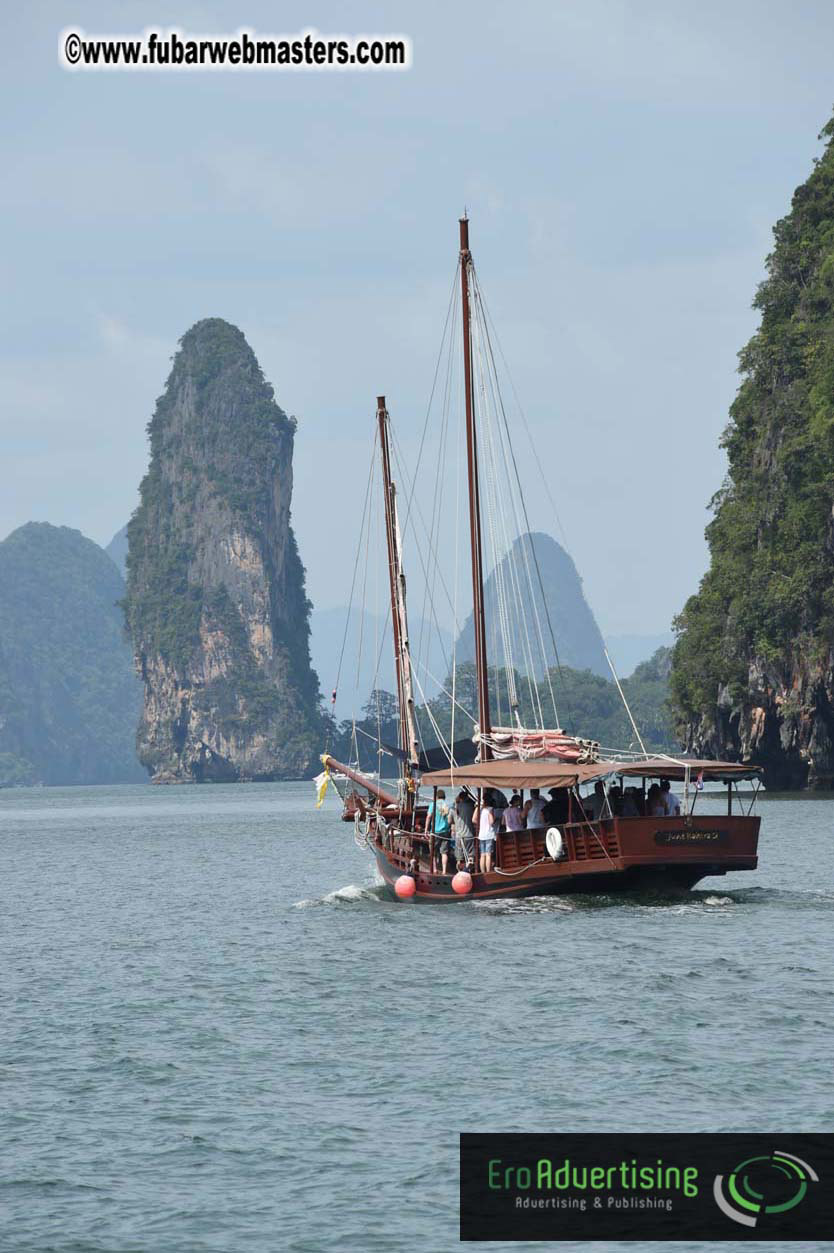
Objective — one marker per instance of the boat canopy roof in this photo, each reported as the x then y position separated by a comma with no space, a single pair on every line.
559,774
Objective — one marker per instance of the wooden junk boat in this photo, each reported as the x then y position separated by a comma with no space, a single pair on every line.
605,852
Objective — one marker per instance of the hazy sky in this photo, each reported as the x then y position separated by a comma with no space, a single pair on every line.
623,164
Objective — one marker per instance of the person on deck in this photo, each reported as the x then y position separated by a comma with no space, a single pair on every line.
485,817
513,817
673,805
655,804
439,821
598,803
499,804
534,809
556,809
464,828
578,806
630,809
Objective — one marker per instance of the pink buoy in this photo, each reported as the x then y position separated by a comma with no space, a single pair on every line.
462,882
405,887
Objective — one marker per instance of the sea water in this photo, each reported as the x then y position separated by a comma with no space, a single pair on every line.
217,1034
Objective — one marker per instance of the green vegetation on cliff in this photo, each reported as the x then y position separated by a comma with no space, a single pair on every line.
216,603
218,422
768,595
69,698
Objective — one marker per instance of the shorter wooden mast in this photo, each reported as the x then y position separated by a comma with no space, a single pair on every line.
399,616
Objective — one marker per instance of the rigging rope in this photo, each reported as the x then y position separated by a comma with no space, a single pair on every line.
517,600
527,531
353,579
437,511
519,621
440,737
467,713
493,515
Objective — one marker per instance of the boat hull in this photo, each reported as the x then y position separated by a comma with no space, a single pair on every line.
621,855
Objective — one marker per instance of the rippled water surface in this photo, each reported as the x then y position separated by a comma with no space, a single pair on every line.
217,1035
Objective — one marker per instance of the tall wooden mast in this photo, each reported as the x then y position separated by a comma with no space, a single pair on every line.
399,617
474,498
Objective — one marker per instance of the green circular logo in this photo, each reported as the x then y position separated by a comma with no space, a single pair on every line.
771,1184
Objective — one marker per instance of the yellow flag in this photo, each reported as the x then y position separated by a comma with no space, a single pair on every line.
321,781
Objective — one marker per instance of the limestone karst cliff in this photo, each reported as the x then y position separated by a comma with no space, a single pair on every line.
753,669
216,603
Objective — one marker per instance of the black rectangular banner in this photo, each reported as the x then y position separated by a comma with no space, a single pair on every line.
647,1187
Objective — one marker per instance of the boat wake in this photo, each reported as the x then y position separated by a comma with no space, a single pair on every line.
795,898
526,905
685,902
580,903
351,894
680,902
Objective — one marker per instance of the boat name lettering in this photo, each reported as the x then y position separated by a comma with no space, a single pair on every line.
690,837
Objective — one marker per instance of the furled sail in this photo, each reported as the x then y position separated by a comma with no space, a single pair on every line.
519,744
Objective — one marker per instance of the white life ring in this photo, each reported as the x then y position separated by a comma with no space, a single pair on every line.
555,843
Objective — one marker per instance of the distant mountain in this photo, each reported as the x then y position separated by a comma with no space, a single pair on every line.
117,550
69,698
628,651
431,652
578,639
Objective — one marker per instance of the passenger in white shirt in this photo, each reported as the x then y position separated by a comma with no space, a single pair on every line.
534,809
673,805
485,817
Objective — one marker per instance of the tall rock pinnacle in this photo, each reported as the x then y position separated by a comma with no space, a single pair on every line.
216,604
